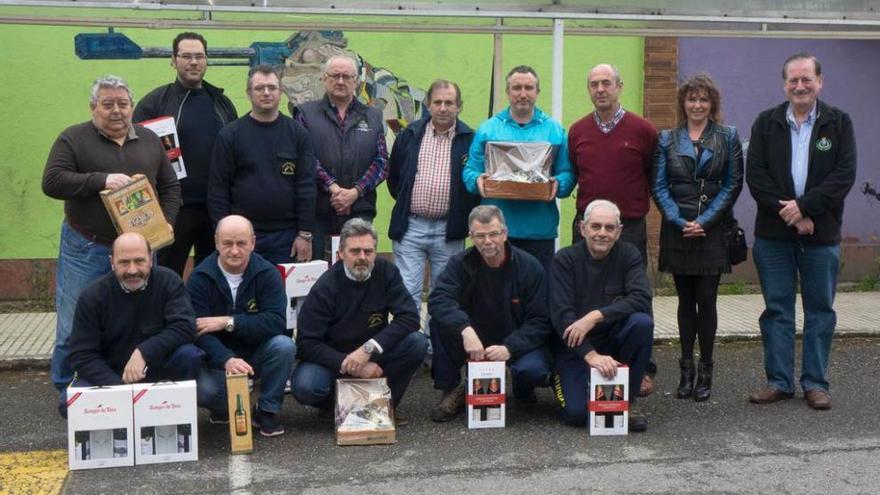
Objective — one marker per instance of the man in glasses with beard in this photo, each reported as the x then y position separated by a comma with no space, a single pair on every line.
344,328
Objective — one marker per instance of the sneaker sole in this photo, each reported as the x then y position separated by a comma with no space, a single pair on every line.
271,433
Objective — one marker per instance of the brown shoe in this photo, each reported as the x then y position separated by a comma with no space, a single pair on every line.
647,387
450,405
818,399
768,395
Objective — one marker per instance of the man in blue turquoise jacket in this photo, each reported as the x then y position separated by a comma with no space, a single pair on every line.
239,302
533,224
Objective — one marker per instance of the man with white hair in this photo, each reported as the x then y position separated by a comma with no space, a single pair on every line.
103,153
600,305
349,141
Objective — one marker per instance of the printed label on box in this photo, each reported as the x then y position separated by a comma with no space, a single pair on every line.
486,399
165,422
99,427
609,402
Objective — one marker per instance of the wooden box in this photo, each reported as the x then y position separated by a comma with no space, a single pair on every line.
364,414
239,404
135,208
508,189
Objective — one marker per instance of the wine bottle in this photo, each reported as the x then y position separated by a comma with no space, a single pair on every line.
240,418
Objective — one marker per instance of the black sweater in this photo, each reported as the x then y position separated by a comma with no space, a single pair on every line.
615,285
110,323
339,315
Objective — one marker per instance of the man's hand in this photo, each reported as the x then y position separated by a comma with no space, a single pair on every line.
606,365
472,345
805,226
342,199
115,181
135,368
790,211
576,332
497,353
301,250
238,366
208,324
353,363
554,188
370,370
481,186
692,229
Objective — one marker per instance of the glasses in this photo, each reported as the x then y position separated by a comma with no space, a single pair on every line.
109,104
190,57
340,77
271,88
608,227
482,236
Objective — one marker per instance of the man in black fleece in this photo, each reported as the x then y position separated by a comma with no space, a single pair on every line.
600,303
343,327
263,168
132,325
489,304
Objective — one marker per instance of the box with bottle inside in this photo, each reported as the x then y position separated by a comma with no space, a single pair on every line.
486,394
609,402
99,427
241,437
165,422
298,281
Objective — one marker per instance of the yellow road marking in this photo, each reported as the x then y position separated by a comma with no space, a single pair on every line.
40,472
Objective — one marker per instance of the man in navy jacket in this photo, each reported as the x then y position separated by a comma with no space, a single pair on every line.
239,301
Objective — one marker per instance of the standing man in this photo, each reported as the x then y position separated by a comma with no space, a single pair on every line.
87,158
533,224
612,151
349,141
801,165
429,220
239,302
200,110
263,169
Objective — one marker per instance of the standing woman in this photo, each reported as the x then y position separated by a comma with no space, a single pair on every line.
698,174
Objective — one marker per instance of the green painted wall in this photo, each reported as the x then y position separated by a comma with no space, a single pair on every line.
45,89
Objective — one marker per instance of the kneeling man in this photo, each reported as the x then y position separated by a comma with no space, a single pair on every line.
135,324
239,301
600,303
489,304
343,326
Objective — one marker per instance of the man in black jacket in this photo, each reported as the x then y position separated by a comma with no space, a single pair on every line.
200,110
600,303
801,165
429,219
489,304
344,329
134,324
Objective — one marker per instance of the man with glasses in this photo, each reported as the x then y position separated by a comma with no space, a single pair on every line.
263,169
200,110
600,304
489,304
349,141
87,158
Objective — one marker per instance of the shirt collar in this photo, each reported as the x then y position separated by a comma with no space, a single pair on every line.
132,134
450,133
609,126
811,118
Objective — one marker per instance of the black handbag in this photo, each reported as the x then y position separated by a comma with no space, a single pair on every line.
737,250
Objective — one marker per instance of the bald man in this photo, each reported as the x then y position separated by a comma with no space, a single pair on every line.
239,302
134,324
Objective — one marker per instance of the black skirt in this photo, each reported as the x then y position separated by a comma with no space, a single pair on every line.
693,256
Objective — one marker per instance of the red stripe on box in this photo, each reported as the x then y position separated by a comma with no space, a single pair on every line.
486,400
71,400
284,272
175,153
138,396
608,405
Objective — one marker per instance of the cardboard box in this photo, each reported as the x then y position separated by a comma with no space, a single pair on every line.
239,405
519,170
609,403
298,281
364,413
486,399
99,427
135,208
165,422
166,129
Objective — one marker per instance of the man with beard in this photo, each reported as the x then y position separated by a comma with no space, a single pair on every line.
489,304
135,324
344,329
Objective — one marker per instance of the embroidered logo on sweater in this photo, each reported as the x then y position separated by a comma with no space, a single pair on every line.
823,144
374,320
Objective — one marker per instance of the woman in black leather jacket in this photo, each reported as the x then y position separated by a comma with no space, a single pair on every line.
697,177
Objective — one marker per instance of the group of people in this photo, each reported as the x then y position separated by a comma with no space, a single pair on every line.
265,189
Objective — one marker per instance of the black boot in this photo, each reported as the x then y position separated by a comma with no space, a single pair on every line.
686,383
704,381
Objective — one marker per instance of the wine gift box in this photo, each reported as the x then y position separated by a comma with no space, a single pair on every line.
135,208
99,427
239,403
298,281
609,402
165,422
485,394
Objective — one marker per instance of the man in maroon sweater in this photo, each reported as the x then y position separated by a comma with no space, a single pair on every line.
612,152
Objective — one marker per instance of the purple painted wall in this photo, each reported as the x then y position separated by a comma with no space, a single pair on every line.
748,73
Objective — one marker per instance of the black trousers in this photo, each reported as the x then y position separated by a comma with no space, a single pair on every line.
192,229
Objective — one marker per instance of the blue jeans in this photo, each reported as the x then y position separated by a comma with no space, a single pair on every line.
272,362
779,264
314,385
80,261
275,246
183,364
527,371
631,343
423,243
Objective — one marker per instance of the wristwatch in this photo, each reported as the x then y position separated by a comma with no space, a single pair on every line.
370,347
304,235
230,325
